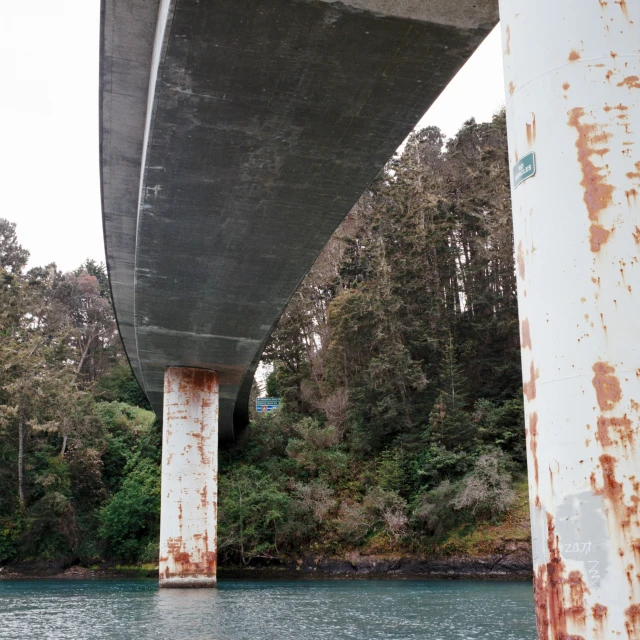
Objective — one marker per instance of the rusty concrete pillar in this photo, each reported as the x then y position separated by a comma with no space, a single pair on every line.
572,72
189,478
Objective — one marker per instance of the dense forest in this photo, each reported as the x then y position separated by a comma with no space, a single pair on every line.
397,360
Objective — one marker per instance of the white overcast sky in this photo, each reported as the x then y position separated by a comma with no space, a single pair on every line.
49,176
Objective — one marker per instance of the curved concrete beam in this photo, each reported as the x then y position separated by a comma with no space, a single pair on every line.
127,41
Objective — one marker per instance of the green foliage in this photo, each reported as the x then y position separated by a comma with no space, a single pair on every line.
13,257
269,436
272,385
399,363
252,508
10,534
315,449
394,471
435,463
119,384
97,270
387,510
127,428
487,490
450,425
130,521
434,509
50,522
397,359
483,493
502,425
64,457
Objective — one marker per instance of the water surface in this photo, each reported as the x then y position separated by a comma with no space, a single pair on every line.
268,610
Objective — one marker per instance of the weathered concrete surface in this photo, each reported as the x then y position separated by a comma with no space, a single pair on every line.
270,118
575,105
189,504
127,34
466,15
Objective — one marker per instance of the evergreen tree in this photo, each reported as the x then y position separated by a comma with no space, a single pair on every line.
450,424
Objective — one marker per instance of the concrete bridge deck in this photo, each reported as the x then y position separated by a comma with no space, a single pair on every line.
235,137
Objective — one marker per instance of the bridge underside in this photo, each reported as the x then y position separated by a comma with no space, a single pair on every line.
268,120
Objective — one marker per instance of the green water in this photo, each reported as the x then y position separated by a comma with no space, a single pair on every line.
261,610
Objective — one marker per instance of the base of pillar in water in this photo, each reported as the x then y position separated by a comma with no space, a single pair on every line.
191,582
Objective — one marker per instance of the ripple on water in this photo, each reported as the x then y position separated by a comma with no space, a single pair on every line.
268,610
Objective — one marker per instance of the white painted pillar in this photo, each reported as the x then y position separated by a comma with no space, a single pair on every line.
189,478
572,70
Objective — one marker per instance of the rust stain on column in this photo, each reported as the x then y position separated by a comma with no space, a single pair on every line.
607,386
598,194
525,341
189,478
529,387
559,597
533,445
531,130
520,261
631,82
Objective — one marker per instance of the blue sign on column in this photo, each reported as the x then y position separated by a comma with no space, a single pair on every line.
264,405
524,169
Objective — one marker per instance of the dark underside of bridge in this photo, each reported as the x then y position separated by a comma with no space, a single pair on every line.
268,120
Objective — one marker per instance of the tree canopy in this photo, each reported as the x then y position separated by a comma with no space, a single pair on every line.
397,360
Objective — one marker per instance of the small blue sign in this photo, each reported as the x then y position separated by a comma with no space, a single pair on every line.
265,405
524,169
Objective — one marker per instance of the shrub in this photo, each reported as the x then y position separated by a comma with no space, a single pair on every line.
131,519
388,510
10,530
434,509
316,449
315,498
437,463
503,426
487,489
353,522
251,511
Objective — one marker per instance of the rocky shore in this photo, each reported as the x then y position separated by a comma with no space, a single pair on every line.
513,563
56,570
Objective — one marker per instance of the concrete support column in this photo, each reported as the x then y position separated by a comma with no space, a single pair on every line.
572,70
189,478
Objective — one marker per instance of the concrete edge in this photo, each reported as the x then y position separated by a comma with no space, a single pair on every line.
192,582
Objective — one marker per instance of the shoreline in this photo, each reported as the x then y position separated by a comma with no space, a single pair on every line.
509,566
